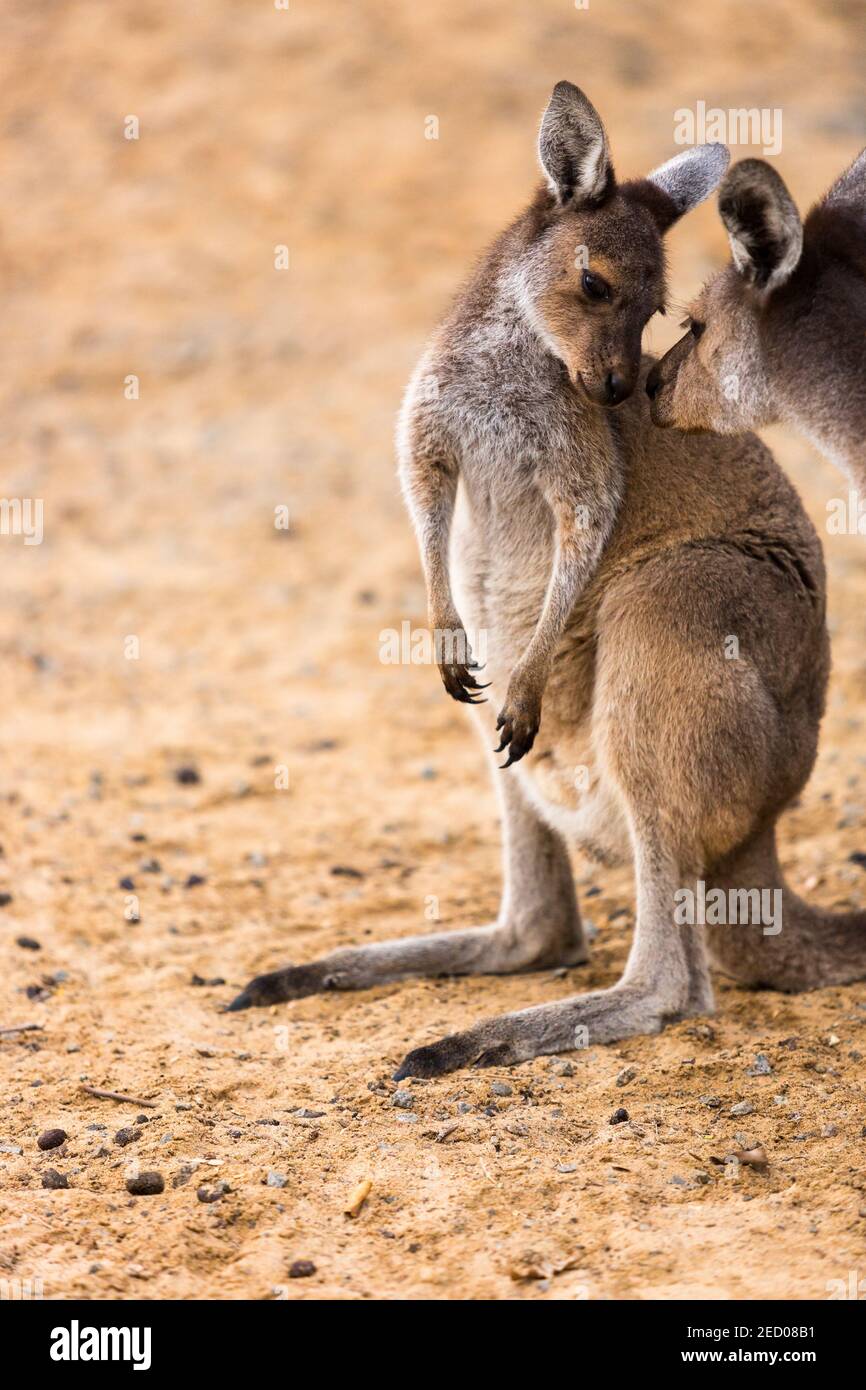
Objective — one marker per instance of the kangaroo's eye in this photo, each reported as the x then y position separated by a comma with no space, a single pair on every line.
594,287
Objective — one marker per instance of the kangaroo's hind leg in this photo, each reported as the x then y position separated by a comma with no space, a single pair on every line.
656,987
690,740
538,925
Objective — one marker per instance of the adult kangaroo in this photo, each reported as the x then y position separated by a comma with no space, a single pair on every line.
610,565
780,333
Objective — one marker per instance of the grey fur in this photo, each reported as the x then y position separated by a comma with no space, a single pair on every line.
572,147
782,330
690,177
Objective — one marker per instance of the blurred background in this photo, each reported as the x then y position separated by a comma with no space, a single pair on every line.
215,319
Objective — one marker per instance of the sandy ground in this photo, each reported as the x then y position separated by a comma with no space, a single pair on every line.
256,650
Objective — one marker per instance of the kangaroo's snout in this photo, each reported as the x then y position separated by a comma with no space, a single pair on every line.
612,389
616,388
654,382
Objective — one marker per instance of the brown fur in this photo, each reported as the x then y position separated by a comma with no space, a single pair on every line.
687,749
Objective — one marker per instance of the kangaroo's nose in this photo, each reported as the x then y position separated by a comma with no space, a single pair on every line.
616,388
654,383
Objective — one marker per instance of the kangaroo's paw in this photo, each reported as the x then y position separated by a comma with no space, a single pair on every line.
461,684
518,719
601,1017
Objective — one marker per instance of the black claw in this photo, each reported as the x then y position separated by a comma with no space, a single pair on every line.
242,1001
515,753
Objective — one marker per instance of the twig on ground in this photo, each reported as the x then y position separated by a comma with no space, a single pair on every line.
118,1095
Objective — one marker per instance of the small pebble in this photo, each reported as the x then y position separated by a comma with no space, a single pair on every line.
127,884
625,1076
761,1067
187,776
345,871
146,1184
195,881
52,1179
500,1088
276,1179
743,1107
28,943
618,1117
711,1102
404,1100
126,1136
11,1149
52,1138
829,1131
213,1194
301,1269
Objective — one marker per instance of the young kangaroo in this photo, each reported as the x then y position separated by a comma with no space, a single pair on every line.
609,564
781,333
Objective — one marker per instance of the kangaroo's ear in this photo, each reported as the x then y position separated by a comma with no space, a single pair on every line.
762,223
687,180
850,187
572,148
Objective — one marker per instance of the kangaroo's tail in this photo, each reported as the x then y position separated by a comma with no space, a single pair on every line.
802,948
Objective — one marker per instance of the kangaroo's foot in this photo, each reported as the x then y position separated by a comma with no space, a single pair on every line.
539,926
604,1016
666,978
492,950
